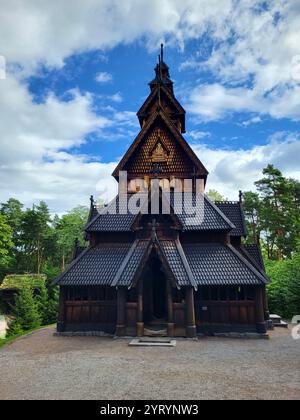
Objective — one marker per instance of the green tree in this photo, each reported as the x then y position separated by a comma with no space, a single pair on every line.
68,229
26,311
279,213
35,231
6,243
252,210
284,289
214,195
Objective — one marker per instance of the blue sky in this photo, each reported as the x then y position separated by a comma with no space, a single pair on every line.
76,76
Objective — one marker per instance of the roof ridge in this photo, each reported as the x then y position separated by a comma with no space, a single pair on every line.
185,263
252,259
124,263
215,207
247,263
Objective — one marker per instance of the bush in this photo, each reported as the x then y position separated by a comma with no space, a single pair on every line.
284,290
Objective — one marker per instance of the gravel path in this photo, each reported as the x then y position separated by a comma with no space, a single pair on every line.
42,366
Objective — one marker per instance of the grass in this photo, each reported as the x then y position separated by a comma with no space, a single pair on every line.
9,340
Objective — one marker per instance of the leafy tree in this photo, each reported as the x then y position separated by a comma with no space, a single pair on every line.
214,195
279,212
35,230
6,243
252,210
284,289
68,229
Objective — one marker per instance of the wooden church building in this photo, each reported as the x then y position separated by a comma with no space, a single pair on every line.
153,272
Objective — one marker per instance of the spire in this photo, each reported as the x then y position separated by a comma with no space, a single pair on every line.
162,75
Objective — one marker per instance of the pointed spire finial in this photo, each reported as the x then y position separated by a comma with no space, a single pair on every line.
162,52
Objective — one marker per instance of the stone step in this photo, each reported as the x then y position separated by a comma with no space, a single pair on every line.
155,332
147,342
281,324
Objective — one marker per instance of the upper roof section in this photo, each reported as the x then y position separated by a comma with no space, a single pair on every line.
191,214
160,143
162,97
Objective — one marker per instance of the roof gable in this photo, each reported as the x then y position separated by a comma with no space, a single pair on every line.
188,153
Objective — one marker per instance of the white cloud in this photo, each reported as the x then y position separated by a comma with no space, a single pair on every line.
36,161
103,77
232,170
253,120
198,135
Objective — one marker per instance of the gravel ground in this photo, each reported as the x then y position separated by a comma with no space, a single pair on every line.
42,366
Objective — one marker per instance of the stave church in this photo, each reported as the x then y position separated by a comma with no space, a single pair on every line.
152,269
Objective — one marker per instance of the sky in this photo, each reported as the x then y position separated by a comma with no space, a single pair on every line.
74,74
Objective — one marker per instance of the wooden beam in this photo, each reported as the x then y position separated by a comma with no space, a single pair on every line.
170,310
61,310
140,317
259,311
190,313
121,316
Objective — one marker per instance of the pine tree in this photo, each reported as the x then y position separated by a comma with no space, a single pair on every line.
26,311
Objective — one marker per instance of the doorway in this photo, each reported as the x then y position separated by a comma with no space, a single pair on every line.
154,294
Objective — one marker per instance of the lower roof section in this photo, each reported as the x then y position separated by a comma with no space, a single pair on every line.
220,265
121,264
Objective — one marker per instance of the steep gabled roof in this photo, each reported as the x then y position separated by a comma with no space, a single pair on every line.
154,97
176,259
107,220
214,264
255,252
96,266
208,217
234,212
200,169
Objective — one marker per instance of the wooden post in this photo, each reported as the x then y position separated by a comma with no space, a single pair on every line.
170,310
190,313
266,304
62,310
259,309
121,316
140,323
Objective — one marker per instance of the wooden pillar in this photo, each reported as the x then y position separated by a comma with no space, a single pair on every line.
190,313
61,323
259,309
266,304
121,315
170,311
140,320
